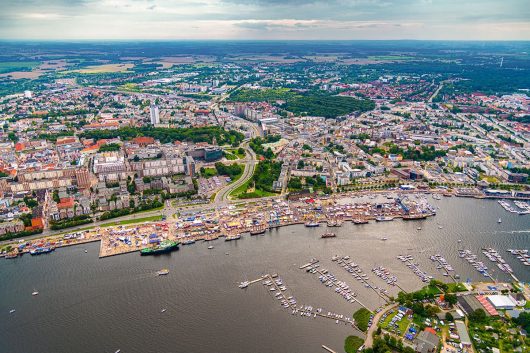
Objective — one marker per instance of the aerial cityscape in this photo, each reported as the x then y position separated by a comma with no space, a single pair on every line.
298,176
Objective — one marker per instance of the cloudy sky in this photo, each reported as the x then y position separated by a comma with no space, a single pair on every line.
265,19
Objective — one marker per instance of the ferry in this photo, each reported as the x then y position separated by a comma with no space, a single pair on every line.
162,272
38,251
163,248
233,237
411,217
384,219
257,231
328,235
312,224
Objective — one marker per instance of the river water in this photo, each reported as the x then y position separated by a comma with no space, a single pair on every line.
87,304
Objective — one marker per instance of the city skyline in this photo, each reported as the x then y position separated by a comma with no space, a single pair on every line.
264,20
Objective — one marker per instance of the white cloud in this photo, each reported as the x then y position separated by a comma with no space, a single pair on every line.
264,19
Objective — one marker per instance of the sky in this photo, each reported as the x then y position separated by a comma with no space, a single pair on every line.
265,19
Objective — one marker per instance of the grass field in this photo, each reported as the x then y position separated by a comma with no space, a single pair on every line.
241,192
352,344
130,87
209,172
390,57
455,287
133,221
240,155
362,317
11,66
230,156
106,68
233,154
430,290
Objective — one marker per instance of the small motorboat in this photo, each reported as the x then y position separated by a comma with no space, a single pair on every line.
210,247
12,311
162,272
163,310
86,251
35,293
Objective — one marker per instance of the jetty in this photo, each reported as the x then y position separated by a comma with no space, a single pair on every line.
328,349
356,272
311,263
290,302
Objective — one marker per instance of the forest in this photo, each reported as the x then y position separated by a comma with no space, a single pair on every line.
169,135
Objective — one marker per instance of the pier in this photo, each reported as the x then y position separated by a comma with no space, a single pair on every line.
472,259
358,275
440,261
314,261
408,260
328,349
336,283
304,310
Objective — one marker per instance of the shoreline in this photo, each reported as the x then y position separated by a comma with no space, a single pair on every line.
262,215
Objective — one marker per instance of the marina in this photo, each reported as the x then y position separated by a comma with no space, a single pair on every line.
521,254
408,260
329,280
495,257
81,283
444,266
356,272
520,208
279,290
472,259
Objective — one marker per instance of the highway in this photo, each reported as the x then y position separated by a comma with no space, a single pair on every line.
248,172
222,195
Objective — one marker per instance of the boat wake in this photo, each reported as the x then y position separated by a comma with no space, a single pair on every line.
513,231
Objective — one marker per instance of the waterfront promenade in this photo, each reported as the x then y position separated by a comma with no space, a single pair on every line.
209,222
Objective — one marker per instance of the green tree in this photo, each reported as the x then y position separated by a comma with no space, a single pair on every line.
478,316
451,299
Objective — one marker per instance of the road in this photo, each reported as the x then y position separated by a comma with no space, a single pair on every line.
250,165
222,195
436,92
49,232
369,334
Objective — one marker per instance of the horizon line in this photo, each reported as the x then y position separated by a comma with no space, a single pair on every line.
256,40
